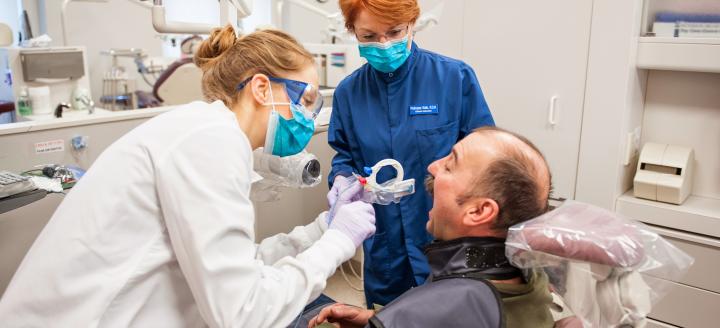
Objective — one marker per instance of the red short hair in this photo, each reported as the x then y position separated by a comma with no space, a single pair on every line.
392,12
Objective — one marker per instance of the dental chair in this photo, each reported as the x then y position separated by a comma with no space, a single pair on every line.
606,269
180,83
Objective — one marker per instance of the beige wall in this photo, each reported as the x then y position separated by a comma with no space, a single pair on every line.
9,15
102,26
120,24
683,108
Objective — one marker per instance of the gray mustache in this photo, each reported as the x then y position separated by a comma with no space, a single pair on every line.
429,184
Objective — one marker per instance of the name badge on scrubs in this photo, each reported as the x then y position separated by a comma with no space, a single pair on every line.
423,110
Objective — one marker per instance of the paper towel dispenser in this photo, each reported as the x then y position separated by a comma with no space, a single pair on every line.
664,173
52,64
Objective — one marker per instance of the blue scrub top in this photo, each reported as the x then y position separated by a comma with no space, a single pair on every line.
414,115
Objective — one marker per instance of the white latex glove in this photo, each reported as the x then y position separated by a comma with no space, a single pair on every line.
348,191
355,220
339,184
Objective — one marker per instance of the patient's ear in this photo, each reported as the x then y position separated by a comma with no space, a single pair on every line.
480,211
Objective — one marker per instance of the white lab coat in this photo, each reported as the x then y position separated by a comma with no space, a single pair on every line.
160,233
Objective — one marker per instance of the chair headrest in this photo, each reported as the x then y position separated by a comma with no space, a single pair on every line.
583,233
167,73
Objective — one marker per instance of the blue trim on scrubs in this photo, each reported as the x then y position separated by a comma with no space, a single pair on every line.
414,115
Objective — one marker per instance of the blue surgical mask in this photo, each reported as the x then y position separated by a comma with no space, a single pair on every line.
286,137
385,57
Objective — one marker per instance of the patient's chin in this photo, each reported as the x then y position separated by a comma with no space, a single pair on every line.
430,224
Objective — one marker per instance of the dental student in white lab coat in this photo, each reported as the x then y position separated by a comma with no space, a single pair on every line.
160,230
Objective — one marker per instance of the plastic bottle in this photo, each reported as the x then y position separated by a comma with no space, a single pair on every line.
24,103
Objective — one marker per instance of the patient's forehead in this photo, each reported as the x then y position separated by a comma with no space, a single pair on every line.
484,146
495,143
480,148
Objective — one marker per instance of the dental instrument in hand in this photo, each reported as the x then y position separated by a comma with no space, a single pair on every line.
390,191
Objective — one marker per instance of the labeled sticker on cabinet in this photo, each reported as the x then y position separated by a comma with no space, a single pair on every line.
49,146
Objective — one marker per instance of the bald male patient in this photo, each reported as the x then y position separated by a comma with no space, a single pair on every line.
492,180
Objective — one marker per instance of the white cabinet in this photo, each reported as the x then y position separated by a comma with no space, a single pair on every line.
679,54
531,60
18,230
527,54
612,87
660,90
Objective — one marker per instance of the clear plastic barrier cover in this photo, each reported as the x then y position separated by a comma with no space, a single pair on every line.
609,270
297,171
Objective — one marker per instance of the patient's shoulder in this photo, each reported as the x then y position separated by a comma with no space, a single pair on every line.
461,302
527,304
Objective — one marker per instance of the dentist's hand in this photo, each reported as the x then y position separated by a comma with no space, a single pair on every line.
344,191
339,184
356,220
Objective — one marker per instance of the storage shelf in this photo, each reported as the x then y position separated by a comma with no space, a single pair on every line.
679,54
697,214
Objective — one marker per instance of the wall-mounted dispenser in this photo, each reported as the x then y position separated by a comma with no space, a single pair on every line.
664,173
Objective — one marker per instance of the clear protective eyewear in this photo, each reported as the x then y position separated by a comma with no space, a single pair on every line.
394,34
299,93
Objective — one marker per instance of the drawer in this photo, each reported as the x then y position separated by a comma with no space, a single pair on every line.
18,230
688,307
706,252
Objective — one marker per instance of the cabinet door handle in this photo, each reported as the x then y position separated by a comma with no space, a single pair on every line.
551,111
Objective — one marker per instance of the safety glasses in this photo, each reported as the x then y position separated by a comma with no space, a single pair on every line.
394,34
299,93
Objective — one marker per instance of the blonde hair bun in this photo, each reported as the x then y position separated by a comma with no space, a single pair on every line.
226,61
221,40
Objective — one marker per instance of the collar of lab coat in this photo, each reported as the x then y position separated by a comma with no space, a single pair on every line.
254,176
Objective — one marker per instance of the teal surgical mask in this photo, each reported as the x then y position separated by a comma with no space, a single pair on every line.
385,57
286,137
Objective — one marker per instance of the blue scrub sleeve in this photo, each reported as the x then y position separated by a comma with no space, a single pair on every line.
337,139
475,110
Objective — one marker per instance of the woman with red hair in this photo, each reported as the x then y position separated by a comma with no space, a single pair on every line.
406,103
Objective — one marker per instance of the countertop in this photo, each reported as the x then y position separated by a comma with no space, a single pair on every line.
77,118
